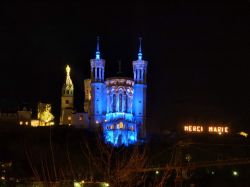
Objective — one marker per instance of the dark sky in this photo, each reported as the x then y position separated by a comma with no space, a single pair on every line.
198,54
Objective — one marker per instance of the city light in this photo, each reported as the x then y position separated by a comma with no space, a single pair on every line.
106,184
235,173
34,123
77,184
243,134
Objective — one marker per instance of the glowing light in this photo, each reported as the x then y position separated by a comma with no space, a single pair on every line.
121,125
26,123
68,87
193,128
212,172
34,123
69,118
243,134
235,173
157,172
68,70
119,115
119,136
44,114
140,51
106,184
97,53
21,123
97,122
219,129
77,184
210,129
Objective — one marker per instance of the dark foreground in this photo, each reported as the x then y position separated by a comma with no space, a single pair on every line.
65,156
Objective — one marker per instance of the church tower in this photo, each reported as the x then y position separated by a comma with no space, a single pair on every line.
140,88
98,89
67,100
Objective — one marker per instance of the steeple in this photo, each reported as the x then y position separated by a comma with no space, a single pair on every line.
97,65
98,92
68,87
140,51
140,67
97,53
67,99
140,92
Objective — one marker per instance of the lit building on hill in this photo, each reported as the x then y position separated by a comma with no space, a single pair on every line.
67,99
117,105
44,115
20,115
68,114
24,116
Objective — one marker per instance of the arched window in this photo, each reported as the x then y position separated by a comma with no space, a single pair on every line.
125,102
120,102
93,72
114,103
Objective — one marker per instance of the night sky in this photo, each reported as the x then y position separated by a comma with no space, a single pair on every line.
198,55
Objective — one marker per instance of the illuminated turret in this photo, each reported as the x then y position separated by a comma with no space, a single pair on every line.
140,67
67,99
97,66
140,87
68,87
98,89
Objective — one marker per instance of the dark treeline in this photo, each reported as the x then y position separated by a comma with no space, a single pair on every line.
67,153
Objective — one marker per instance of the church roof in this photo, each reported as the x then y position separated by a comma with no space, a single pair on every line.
126,78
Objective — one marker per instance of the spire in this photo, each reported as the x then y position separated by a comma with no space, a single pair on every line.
140,51
68,79
68,70
97,53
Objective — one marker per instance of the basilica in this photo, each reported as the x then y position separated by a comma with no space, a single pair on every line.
117,105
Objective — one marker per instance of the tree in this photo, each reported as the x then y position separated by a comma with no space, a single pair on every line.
118,166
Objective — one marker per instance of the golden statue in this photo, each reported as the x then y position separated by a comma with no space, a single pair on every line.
44,114
68,70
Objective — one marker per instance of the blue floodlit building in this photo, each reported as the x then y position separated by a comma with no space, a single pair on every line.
117,104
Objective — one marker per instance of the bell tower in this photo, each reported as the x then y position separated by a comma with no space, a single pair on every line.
67,100
98,89
140,88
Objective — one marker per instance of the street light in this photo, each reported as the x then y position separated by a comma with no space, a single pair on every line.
235,173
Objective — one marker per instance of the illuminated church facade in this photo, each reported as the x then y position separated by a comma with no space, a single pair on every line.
117,105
